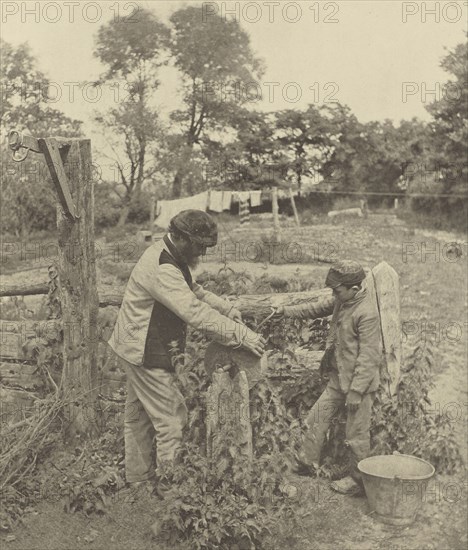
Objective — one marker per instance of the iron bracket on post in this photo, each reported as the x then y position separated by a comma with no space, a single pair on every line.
50,148
17,141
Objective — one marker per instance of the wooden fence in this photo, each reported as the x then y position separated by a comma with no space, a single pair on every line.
20,380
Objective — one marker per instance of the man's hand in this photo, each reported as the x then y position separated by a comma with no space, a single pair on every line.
235,315
353,400
255,345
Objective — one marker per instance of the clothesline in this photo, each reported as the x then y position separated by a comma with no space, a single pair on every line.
215,201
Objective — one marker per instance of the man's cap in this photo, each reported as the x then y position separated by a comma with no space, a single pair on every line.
197,225
345,272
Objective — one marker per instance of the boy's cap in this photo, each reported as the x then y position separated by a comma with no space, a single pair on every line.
345,272
197,225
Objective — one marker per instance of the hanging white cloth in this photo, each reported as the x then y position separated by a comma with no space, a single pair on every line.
255,198
216,201
168,209
227,199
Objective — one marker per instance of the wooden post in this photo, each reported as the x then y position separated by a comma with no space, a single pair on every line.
228,413
387,290
78,291
293,204
274,207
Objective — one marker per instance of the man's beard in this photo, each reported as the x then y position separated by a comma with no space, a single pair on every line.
193,262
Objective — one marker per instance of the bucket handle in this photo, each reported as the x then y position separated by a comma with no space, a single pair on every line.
397,478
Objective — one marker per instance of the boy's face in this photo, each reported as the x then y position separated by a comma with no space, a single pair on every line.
343,294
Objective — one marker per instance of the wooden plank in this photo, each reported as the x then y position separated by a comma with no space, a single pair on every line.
386,282
24,290
52,154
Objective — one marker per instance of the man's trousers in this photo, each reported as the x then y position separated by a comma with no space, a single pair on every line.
154,408
323,413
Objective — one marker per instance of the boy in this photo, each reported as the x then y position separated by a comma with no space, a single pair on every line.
352,357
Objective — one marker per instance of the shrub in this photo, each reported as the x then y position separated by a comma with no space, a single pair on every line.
406,423
140,208
106,206
225,502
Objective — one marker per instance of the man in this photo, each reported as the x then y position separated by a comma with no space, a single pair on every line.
159,301
352,357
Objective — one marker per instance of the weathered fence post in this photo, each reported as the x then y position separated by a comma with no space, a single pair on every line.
70,166
293,204
78,291
275,211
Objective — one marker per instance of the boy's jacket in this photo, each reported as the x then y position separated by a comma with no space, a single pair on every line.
354,335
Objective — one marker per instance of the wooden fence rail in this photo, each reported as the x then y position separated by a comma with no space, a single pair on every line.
19,382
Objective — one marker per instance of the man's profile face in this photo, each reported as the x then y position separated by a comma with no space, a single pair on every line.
192,252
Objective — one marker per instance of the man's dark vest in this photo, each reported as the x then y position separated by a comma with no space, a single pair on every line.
166,327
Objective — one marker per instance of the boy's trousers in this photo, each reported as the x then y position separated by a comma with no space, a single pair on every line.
322,414
154,408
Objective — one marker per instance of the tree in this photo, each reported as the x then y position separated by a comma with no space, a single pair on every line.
304,138
371,159
252,159
442,168
28,197
133,53
450,126
348,149
218,68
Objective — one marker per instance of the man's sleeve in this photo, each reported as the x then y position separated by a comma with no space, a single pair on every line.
170,289
311,310
221,305
369,354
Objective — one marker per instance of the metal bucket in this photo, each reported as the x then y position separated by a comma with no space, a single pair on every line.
395,486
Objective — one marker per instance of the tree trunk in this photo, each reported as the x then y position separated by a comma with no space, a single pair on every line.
123,215
177,184
125,211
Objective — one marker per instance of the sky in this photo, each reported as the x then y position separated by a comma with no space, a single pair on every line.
381,58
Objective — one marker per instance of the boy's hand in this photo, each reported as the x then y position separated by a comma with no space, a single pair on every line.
279,312
235,315
353,400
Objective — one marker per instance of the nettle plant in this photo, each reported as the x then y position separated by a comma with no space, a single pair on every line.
226,500
410,423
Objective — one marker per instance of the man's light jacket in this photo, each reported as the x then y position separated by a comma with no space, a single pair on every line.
159,301
355,336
